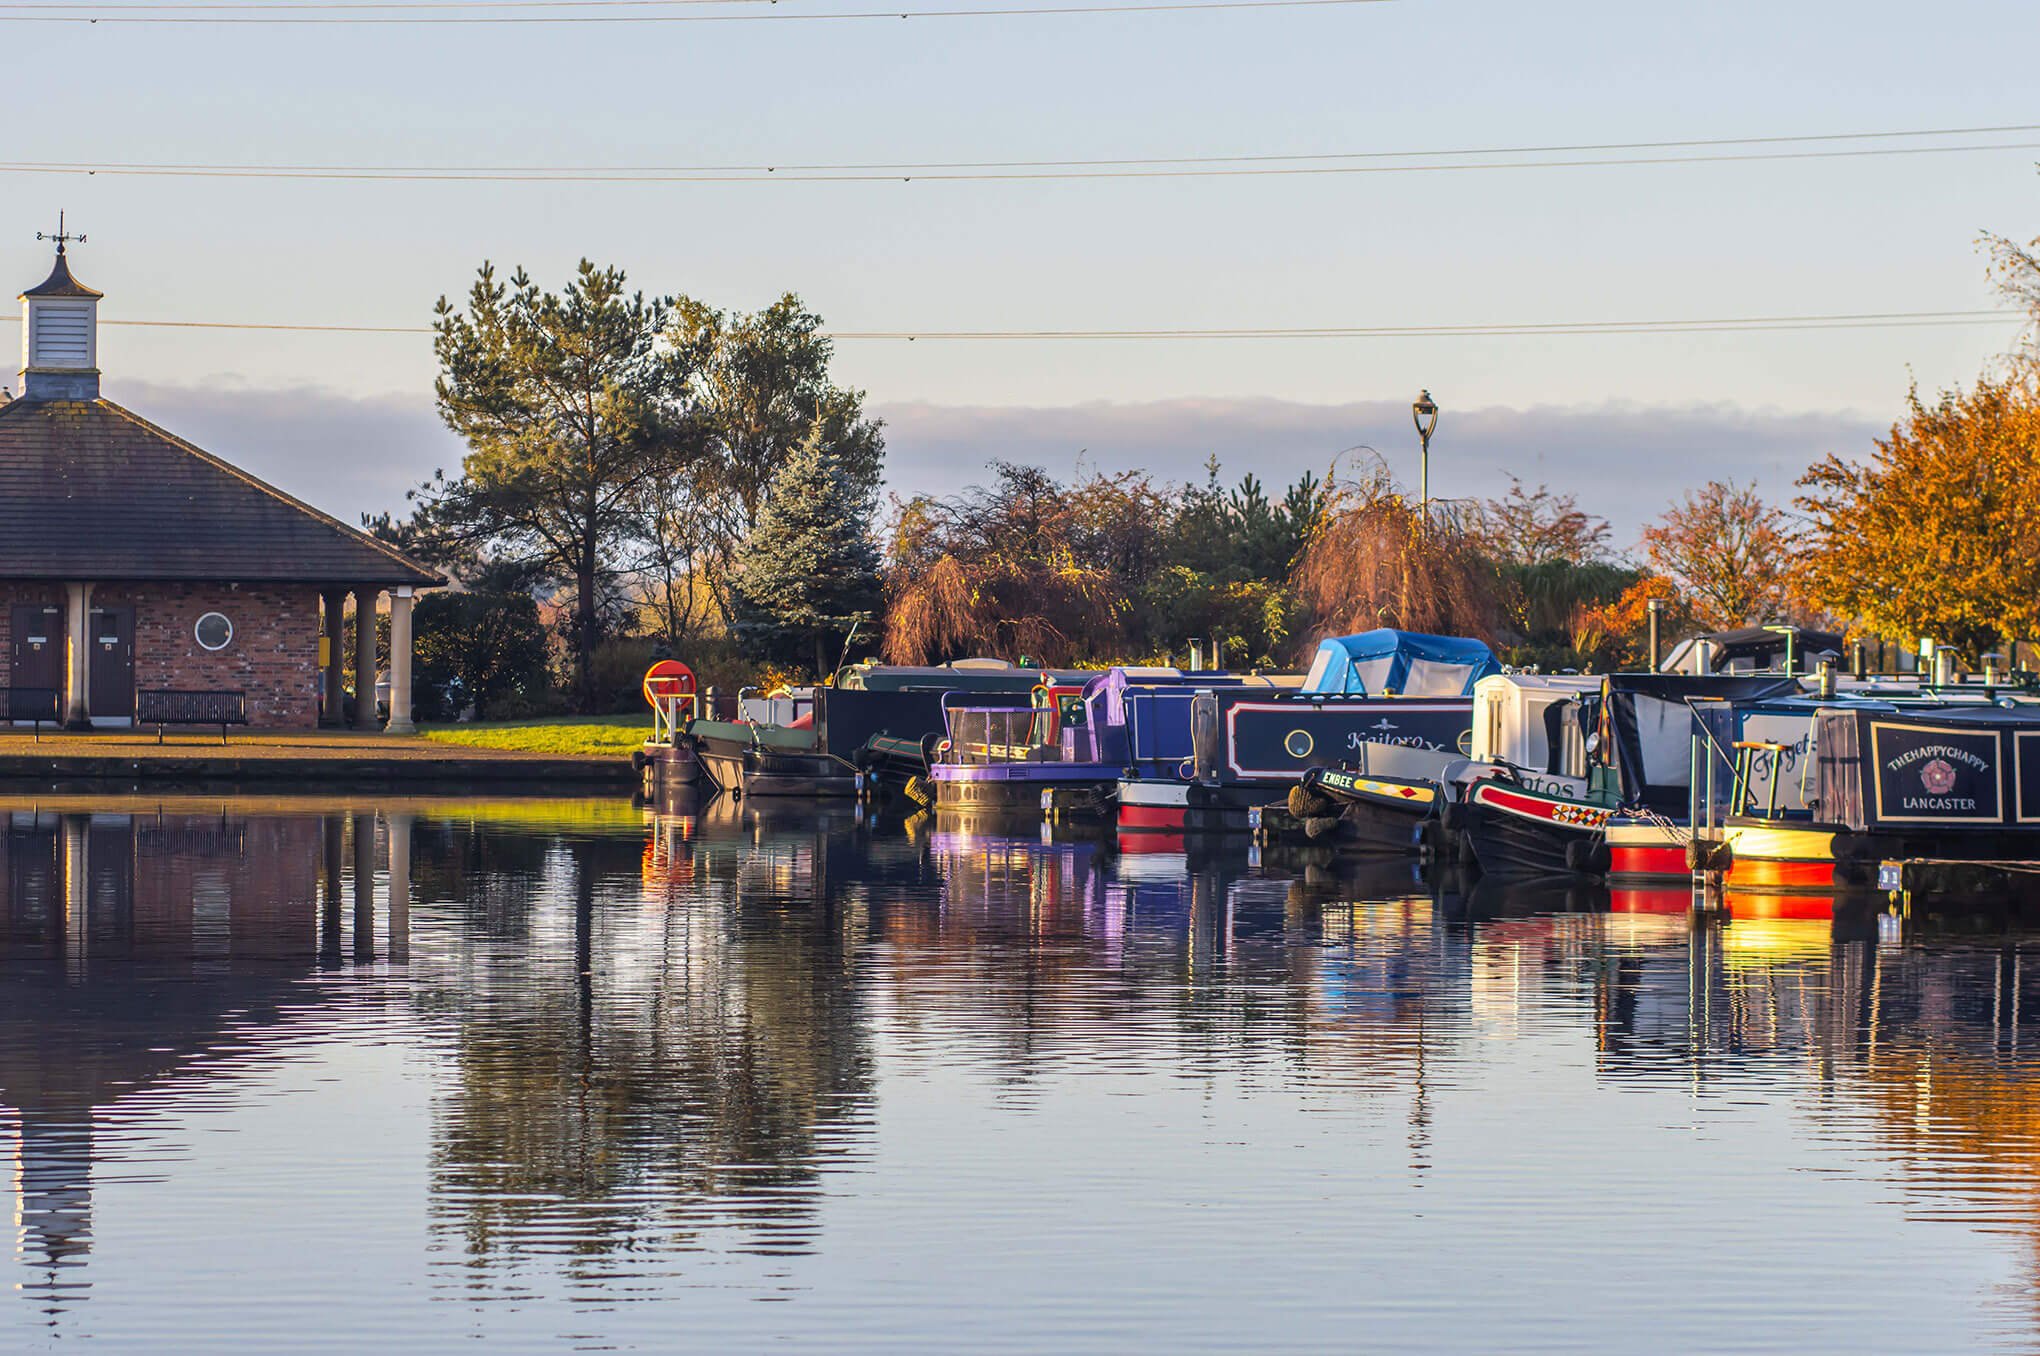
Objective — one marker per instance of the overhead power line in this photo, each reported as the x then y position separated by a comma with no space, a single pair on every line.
1866,320
172,14
1811,146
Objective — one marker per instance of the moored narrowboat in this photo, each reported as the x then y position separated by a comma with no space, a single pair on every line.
1639,766
1950,783
1387,704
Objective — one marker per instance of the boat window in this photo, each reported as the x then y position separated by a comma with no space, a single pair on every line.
1430,678
1321,671
1373,674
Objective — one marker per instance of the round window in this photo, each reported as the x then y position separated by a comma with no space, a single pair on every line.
214,631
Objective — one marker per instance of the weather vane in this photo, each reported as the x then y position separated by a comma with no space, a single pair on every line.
61,236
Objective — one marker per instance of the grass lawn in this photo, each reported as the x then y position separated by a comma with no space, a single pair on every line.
552,734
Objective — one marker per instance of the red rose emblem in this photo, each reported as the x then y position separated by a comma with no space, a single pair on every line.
1937,777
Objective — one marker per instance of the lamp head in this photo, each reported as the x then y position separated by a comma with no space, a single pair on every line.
1424,411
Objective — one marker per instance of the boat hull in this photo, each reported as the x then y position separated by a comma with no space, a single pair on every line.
1188,807
1518,832
1379,814
1640,851
1012,788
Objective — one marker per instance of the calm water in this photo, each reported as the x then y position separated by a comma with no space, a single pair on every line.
593,1077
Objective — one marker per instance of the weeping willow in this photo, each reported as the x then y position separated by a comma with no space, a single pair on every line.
1374,559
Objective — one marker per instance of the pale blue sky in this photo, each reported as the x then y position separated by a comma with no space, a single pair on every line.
1787,237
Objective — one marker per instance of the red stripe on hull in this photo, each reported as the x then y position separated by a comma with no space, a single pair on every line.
1165,818
1757,873
1647,861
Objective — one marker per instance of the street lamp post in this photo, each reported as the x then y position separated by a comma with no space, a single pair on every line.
1424,411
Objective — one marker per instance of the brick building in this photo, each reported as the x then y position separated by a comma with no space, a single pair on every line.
133,562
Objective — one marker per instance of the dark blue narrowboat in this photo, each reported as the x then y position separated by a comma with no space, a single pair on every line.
1386,703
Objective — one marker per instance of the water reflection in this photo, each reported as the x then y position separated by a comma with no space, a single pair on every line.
646,1055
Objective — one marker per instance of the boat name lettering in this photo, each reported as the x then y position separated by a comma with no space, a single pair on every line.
1355,738
1939,803
1911,756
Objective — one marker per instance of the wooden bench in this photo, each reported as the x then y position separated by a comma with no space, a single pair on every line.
172,707
37,705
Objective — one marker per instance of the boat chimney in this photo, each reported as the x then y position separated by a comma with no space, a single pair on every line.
1657,605
1196,654
1826,673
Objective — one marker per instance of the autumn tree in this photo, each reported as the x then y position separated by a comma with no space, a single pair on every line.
1005,570
2015,268
1617,633
1536,527
1375,560
1731,555
1938,532
565,401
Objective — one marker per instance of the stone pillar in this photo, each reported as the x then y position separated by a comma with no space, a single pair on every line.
397,824
400,662
78,656
333,678
364,657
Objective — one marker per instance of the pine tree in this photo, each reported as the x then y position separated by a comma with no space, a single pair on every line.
810,570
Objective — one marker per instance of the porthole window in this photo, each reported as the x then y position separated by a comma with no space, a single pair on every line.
214,631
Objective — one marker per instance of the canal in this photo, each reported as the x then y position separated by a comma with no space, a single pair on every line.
283,1074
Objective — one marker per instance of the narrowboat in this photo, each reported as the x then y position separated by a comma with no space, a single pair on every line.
1079,741
1638,733
1953,781
1516,723
875,720
1385,704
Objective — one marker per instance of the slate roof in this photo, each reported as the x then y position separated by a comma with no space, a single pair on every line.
60,283
91,491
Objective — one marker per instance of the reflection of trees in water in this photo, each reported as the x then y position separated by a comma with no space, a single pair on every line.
1931,1043
635,1060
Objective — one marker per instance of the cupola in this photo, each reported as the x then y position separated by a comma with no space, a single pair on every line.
60,333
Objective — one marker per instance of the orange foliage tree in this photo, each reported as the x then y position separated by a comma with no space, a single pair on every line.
1938,532
1731,555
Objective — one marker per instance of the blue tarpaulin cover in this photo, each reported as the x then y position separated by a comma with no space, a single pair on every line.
1405,662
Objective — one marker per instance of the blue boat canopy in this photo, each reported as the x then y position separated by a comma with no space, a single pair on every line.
1405,662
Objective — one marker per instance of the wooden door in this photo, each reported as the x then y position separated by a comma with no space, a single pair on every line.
38,632
112,635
